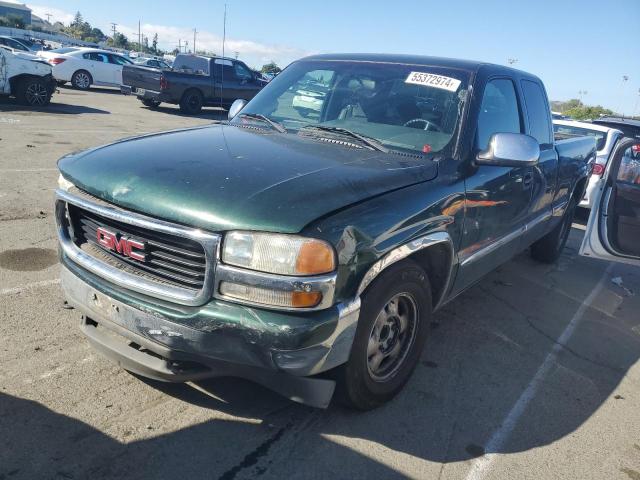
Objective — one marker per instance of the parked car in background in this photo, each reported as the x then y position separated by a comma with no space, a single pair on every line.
193,82
151,63
88,66
13,44
606,138
26,78
279,247
559,116
32,45
630,127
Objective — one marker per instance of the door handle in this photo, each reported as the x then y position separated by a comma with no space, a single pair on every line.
527,180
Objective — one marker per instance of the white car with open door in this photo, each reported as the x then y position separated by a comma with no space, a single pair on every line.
89,66
613,231
26,78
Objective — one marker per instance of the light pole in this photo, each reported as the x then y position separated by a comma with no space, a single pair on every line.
625,80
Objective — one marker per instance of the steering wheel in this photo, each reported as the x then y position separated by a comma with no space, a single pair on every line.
427,124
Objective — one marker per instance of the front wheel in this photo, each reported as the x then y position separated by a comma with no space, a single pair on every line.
34,92
391,332
549,247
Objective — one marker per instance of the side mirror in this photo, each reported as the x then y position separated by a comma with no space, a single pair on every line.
235,108
510,150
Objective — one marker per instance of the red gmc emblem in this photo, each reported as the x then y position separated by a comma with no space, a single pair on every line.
124,245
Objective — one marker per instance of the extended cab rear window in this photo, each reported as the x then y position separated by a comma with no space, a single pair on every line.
571,131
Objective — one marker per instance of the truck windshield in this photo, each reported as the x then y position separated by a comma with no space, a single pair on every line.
407,107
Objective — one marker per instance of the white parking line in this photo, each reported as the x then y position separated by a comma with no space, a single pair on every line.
21,170
29,286
481,466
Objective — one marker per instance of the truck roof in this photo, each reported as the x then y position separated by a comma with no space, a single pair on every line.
470,65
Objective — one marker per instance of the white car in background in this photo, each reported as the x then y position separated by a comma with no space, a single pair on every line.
605,137
88,66
25,77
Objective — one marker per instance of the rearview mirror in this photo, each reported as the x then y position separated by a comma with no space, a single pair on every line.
510,150
235,108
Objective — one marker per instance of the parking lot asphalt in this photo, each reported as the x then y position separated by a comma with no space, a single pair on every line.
532,373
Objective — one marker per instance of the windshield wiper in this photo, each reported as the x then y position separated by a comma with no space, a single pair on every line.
258,116
370,142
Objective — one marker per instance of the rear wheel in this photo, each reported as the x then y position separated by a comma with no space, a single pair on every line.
147,102
33,91
392,329
191,102
549,247
81,80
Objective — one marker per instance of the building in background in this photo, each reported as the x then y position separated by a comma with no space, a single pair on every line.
16,10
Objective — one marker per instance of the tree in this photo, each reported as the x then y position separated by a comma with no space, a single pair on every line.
583,112
119,40
271,67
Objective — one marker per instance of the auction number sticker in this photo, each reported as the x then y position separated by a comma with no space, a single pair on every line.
431,80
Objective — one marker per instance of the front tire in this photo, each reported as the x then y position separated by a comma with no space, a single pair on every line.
34,92
391,332
191,102
81,80
549,248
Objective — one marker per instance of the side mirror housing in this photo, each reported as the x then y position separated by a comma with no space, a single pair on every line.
510,150
235,108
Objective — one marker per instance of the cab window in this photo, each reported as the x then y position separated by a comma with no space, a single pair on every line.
241,72
499,112
537,112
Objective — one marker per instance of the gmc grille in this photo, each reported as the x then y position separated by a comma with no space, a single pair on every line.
169,259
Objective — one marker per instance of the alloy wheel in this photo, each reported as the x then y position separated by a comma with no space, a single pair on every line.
392,336
36,94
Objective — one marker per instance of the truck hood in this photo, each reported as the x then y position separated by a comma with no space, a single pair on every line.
223,177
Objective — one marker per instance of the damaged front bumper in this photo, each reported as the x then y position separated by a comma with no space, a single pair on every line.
282,351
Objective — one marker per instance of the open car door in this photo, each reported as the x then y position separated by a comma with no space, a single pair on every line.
613,231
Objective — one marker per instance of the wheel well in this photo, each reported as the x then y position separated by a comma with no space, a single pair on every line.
15,81
578,191
436,260
192,89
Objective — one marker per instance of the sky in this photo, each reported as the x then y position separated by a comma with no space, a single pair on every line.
573,45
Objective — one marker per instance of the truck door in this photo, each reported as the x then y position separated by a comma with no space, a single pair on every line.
498,197
238,81
543,176
613,230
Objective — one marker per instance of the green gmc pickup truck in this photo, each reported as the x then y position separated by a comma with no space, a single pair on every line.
306,243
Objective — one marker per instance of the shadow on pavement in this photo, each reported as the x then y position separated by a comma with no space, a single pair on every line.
478,361
12,105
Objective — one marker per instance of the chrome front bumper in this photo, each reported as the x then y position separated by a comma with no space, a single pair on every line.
156,346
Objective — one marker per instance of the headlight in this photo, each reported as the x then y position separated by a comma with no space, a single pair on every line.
279,254
64,184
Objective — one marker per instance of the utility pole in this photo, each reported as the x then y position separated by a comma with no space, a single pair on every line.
186,45
48,15
195,32
139,38
237,54
113,29
581,93
179,46
511,61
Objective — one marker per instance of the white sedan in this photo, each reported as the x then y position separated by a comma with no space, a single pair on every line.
87,66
